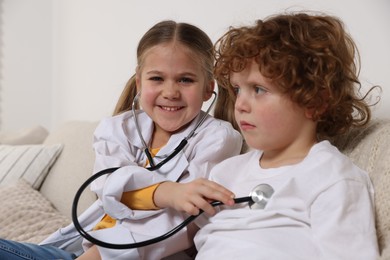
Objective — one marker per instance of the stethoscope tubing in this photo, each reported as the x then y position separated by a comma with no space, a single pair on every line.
98,242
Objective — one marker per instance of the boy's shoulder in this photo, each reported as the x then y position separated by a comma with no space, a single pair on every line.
328,163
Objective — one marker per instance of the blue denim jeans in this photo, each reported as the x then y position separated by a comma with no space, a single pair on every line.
12,250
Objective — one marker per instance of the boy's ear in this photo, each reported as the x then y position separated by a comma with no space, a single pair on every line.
309,113
209,90
315,113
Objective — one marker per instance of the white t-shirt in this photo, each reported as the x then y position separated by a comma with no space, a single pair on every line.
322,208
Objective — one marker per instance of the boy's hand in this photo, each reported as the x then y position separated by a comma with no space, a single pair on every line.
193,196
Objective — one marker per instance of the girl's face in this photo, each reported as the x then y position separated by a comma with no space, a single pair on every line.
173,87
268,119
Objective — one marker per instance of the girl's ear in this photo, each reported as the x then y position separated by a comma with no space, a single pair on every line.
209,90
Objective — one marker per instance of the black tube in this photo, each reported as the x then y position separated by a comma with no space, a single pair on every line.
170,233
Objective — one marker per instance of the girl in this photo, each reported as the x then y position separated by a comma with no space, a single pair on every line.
173,79
295,83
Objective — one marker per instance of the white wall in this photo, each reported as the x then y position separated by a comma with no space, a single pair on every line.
25,63
69,59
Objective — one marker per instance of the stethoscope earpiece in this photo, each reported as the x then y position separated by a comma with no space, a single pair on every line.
260,196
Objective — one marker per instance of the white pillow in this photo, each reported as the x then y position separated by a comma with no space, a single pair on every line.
30,162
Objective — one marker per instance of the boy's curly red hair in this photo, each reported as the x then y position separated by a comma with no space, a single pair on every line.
310,57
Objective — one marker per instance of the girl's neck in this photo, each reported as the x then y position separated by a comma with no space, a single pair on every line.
159,138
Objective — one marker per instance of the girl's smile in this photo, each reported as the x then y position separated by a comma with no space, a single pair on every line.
171,109
173,87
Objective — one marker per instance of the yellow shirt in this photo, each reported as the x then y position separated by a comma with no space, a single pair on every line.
141,199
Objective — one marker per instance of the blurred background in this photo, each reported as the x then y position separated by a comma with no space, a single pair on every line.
66,60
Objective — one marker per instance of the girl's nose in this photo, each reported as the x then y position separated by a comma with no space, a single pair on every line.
171,90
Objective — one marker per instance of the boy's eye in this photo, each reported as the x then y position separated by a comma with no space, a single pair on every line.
236,90
260,90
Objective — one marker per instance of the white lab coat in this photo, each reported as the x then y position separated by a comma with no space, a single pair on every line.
117,144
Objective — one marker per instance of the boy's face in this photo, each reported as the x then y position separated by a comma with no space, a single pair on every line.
268,119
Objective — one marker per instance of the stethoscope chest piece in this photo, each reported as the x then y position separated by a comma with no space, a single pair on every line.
260,196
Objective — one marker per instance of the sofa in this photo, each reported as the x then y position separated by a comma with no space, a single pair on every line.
32,213
30,210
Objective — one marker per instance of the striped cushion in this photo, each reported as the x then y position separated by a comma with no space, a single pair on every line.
30,162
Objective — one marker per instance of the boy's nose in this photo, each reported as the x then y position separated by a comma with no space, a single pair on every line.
241,104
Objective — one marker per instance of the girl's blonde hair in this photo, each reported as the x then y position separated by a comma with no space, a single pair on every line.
310,57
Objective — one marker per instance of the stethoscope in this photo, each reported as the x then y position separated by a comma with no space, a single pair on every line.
258,198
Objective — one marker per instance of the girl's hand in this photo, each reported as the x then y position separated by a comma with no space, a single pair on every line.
192,197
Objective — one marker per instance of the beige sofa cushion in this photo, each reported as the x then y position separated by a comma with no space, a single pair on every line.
369,148
31,135
26,215
73,166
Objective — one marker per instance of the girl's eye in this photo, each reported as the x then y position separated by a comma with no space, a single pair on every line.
156,78
186,80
